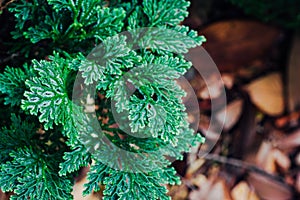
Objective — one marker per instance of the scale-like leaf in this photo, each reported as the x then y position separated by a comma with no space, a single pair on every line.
12,84
108,59
19,134
122,185
31,177
47,96
169,12
74,160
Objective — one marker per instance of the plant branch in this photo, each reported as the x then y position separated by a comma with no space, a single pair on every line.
241,164
4,5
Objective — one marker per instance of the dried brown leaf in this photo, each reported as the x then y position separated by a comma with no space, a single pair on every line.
263,153
268,188
231,113
267,94
178,192
194,166
282,160
200,180
290,142
218,190
213,88
4,196
228,80
242,191
238,43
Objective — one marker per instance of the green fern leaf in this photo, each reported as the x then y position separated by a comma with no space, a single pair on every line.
48,95
122,185
110,58
19,134
12,84
74,160
29,176
169,12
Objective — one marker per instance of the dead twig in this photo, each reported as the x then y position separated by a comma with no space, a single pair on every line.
4,5
243,165
11,57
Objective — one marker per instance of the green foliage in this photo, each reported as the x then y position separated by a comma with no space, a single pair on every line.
154,13
123,185
19,134
109,58
161,40
167,12
133,186
29,162
12,84
117,109
282,12
75,159
28,175
68,25
48,95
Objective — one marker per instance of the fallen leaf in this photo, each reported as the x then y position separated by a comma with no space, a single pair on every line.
213,89
200,180
289,142
281,159
197,82
264,158
267,188
202,192
263,152
270,165
217,191
178,192
267,94
231,113
228,80
194,166
238,43
242,191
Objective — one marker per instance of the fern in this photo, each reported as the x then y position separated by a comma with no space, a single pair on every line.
12,84
115,107
69,25
29,162
165,12
29,176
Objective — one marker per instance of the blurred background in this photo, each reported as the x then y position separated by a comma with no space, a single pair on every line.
256,47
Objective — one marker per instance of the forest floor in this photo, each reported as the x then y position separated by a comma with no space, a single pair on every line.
256,155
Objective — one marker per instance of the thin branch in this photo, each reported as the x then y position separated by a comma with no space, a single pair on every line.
243,165
2,7
11,57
